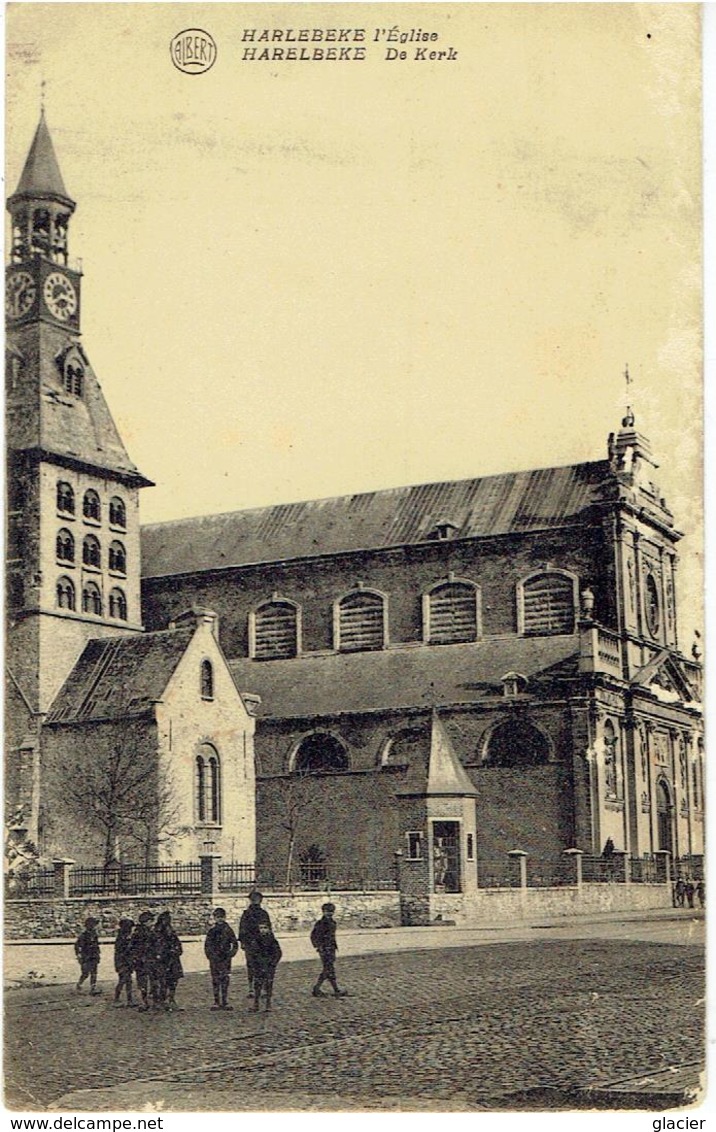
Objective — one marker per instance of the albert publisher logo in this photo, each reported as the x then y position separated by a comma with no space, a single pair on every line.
193,51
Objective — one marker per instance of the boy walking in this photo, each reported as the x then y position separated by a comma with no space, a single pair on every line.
142,947
220,948
323,938
123,961
87,952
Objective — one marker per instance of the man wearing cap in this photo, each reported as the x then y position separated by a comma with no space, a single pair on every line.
87,952
323,938
249,931
142,949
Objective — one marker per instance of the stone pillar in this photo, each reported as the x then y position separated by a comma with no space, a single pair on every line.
576,855
210,873
62,868
519,855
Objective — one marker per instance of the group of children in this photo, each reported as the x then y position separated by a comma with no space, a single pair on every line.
151,951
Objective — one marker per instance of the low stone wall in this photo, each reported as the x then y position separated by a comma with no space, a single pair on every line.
191,914
489,904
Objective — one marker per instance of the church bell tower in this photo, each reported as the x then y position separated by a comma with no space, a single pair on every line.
73,569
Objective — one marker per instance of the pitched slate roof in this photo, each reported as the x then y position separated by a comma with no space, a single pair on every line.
492,505
426,676
119,676
41,176
42,417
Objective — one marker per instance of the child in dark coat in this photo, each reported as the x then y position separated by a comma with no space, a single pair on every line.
143,959
220,948
266,956
124,961
87,952
323,938
168,949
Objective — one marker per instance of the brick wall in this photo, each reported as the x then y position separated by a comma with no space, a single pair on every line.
404,574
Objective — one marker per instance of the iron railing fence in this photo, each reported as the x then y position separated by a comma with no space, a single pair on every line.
235,877
136,880
34,883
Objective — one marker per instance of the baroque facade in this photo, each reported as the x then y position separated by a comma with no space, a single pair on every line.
448,672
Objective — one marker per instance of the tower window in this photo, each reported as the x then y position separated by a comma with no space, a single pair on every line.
65,546
91,551
652,605
207,680
74,379
91,508
65,498
92,599
117,513
547,604
452,613
41,231
117,604
361,621
65,593
208,785
275,630
117,557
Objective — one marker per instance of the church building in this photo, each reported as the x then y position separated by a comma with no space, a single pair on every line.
437,675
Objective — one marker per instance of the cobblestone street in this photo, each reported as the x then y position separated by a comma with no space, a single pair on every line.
456,1028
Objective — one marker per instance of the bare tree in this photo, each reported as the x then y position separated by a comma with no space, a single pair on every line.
296,802
120,790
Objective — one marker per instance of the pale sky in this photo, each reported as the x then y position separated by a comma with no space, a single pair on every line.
309,279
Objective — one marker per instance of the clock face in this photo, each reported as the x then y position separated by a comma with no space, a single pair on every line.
20,291
60,296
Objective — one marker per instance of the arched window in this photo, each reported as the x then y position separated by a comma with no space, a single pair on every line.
275,630
547,604
117,557
207,680
92,599
65,546
91,551
117,604
117,513
65,593
402,748
361,621
74,378
208,785
320,753
91,508
65,498
450,613
516,743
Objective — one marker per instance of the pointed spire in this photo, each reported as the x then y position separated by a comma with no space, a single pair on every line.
41,177
446,774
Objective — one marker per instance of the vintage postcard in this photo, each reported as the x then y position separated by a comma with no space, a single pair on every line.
354,751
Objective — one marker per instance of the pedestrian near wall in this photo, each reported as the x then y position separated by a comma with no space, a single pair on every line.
266,957
168,953
251,920
143,958
123,961
88,954
323,938
220,947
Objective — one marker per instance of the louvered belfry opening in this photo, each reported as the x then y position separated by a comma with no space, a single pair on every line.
548,605
276,630
360,622
453,613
